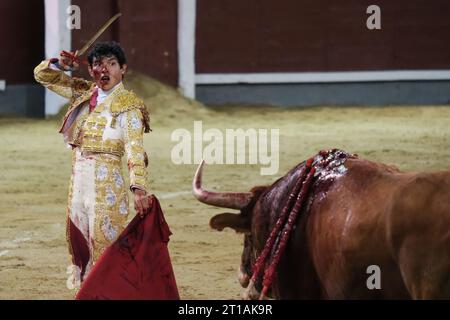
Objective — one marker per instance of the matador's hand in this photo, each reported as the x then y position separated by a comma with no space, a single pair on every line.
68,61
142,202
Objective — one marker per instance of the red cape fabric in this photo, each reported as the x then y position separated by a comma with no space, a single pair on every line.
137,265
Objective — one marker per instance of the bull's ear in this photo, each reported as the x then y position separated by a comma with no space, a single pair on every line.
237,222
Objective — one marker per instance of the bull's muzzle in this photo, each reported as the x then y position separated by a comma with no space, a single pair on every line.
243,277
250,293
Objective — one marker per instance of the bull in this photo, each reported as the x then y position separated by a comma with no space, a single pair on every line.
357,215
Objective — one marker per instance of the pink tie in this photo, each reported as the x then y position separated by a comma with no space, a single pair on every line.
93,101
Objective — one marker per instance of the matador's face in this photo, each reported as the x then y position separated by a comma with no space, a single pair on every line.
107,72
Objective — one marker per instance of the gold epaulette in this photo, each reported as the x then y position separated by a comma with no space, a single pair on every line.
126,101
81,96
82,86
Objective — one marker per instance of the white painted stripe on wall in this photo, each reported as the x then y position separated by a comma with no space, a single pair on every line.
311,77
57,37
186,46
2,85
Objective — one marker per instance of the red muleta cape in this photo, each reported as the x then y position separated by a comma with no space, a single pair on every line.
137,265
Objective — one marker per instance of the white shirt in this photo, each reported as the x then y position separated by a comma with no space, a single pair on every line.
102,94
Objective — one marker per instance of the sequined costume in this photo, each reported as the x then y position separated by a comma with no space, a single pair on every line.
98,198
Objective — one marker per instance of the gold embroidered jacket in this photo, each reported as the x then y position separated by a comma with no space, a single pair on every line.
115,126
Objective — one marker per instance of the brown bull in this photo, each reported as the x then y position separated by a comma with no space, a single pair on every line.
371,214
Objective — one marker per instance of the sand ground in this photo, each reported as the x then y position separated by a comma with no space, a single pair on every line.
35,171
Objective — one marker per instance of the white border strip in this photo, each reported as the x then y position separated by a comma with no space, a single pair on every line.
57,37
311,77
186,46
2,85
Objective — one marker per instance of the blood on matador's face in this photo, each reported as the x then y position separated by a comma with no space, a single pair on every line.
107,72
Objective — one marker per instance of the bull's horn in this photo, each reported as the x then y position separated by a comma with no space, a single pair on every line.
231,200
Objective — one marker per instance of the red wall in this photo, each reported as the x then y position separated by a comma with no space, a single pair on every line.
22,39
147,30
320,35
243,36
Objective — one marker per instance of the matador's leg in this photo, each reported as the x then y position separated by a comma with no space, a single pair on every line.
111,203
78,224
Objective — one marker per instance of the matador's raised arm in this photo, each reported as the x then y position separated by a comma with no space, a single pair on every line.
56,80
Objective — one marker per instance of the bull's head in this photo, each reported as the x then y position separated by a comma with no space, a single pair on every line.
240,222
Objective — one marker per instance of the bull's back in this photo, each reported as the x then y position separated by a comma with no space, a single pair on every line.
374,215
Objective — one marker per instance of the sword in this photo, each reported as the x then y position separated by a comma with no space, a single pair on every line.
74,56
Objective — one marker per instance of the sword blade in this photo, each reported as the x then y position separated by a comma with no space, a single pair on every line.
98,34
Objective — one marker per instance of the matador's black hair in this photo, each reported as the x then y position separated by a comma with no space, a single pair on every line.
107,49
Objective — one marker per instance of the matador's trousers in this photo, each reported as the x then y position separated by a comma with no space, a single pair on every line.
97,210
